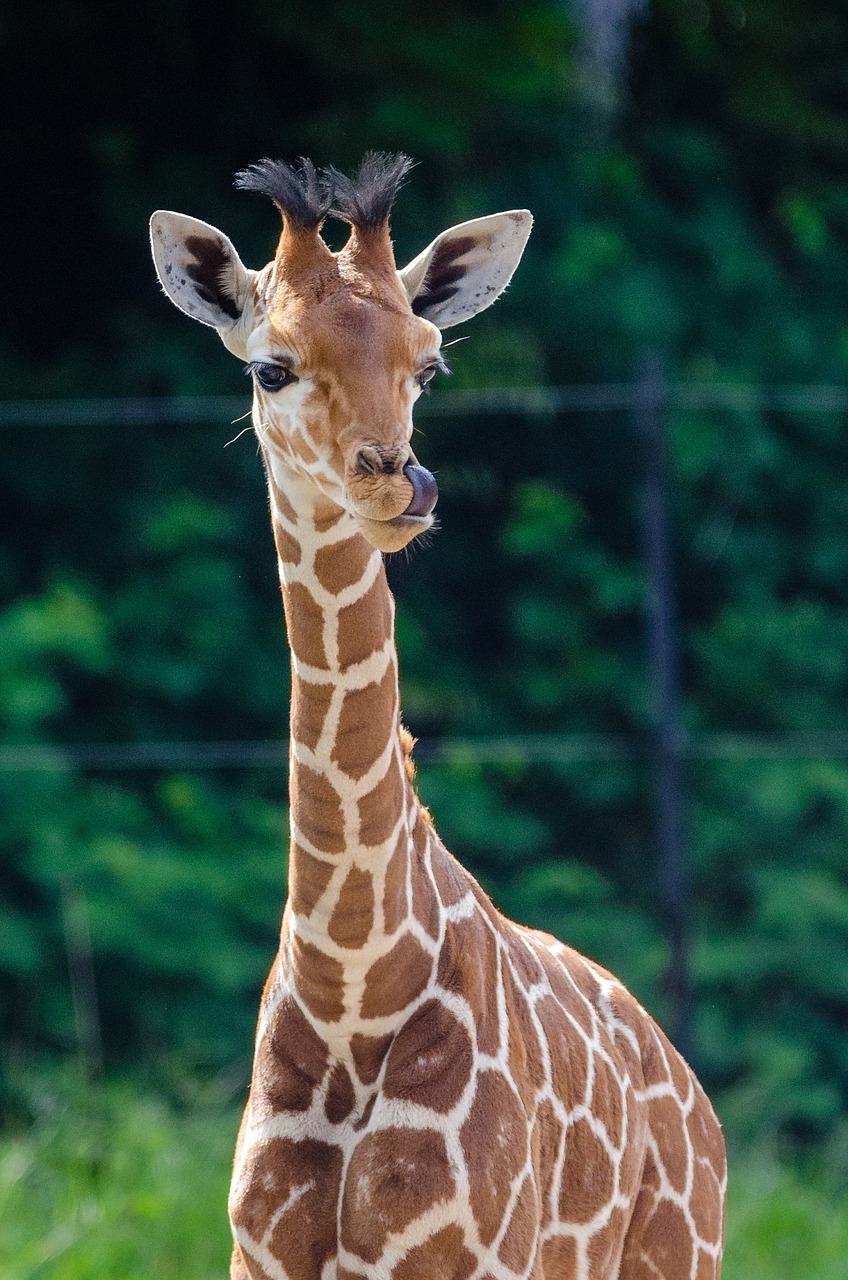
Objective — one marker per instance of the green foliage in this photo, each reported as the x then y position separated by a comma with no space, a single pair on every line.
105,1184
706,219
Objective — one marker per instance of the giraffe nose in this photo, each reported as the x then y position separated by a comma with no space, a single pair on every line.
372,460
425,491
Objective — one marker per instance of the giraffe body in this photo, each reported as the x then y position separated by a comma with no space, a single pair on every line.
437,1092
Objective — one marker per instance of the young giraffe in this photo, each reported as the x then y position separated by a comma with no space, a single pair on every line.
437,1092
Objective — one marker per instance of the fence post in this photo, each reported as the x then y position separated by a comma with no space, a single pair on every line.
81,976
668,737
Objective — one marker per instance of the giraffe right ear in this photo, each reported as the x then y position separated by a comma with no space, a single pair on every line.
200,270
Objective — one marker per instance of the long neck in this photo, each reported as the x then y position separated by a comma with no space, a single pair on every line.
354,814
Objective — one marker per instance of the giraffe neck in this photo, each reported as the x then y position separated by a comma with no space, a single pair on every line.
353,812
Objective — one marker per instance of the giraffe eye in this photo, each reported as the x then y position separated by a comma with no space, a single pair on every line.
273,377
426,376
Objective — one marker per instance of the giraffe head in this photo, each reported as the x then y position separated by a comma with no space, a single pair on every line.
340,345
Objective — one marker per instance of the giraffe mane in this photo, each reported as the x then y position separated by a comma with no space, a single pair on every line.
407,745
302,194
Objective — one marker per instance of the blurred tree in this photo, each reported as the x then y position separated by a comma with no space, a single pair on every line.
706,220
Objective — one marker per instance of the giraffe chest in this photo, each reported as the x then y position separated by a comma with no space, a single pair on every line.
414,1155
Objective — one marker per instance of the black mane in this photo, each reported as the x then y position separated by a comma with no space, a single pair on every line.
366,200
305,195
302,195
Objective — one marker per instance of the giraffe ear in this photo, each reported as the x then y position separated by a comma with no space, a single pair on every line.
199,270
467,267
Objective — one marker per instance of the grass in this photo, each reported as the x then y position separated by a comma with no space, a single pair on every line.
105,1184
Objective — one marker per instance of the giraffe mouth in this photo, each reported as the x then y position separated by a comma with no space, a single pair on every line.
394,534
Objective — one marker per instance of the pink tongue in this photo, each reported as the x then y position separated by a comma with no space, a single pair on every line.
425,491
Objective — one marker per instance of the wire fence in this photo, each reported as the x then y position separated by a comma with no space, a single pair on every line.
503,749
591,398
565,748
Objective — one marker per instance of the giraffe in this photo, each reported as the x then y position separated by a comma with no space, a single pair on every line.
436,1091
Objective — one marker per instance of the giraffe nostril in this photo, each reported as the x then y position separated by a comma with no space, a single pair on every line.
368,461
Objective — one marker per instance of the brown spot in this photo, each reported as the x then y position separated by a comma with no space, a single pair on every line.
291,1060
368,1054
705,1202
568,992
546,1139
344,1274
396,978
282,504
666,1123
608,1100
707,1267
425,902
605,1245
653,1063
519,1242
301,448
308,879
309,707
559,1258
366,723
588,1178
452,881
568,1053
339,1101
341,565
443,1255
365,624
526,1062
304,1237
316,809
395,905
380,809
707,1137
494,1140
288,548
431,1059
305,622
528,968
667,1240
353,918
319,979
627,1012
394,1176
324,521
468,964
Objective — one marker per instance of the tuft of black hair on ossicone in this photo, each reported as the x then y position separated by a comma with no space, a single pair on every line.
366,200
302,195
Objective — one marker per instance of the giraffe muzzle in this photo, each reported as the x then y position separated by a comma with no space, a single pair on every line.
425,492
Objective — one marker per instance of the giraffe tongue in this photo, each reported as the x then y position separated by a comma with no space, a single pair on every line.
425,492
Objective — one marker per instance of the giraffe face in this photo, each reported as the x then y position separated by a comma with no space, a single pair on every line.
337,366
340,345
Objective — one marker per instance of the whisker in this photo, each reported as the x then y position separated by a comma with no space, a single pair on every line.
243,431
454,341
242,418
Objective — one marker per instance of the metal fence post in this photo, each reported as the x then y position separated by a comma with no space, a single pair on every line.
667,729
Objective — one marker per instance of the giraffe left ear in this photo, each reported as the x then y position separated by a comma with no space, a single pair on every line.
467,267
